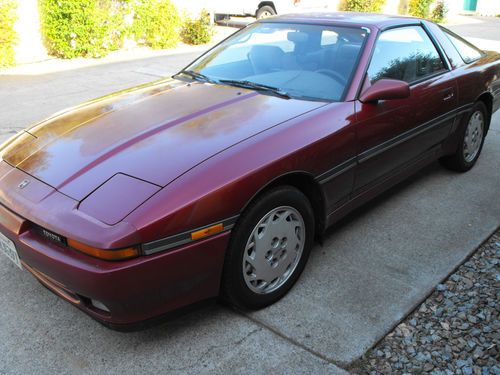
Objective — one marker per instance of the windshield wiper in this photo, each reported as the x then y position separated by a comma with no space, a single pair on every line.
256,86
195,75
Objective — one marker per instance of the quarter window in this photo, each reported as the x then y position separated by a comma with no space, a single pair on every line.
467,51
406,54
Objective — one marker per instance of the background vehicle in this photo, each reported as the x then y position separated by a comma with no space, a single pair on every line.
262,9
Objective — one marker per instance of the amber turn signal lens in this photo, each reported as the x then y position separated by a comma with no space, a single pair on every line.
129,252
207,231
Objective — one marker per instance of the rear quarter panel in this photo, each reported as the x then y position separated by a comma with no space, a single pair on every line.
479,77
473,79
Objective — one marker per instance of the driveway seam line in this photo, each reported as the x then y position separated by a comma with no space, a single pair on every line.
291,340
348,366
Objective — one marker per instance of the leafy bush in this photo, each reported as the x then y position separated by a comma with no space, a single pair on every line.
419,8
156,23
362,5
199,30
439,12
88,28
7,34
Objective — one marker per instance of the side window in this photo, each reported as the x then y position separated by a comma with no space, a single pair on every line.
467,51
406,54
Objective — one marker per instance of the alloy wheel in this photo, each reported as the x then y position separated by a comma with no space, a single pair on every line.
273,250
473,136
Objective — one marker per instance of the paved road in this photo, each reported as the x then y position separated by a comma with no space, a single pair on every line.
484,32
373,268
479,27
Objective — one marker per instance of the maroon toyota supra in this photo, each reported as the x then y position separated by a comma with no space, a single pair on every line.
216,182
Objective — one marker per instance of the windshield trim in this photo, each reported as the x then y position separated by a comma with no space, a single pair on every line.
297,97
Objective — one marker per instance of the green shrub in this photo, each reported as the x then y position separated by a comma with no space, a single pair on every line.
439,12
419,8
199,30
156,23
7,34
89,28
374,6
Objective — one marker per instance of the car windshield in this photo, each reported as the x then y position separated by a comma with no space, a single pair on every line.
310,62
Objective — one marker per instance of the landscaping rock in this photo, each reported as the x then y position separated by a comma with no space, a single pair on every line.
455,331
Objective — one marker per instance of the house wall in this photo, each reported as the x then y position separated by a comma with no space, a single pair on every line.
488,7
193,7
29,47
395,6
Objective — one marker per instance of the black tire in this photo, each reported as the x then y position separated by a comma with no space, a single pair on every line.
265,11
457,161
234,288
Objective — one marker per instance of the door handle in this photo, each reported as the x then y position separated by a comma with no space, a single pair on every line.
448,96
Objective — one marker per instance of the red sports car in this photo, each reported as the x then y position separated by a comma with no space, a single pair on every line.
216,182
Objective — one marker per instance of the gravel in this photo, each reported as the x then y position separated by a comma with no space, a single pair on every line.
455,331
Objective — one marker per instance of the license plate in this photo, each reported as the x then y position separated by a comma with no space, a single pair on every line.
9,249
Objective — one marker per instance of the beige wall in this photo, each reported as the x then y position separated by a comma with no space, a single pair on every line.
488,7
192,7
454,6
391,6
29,47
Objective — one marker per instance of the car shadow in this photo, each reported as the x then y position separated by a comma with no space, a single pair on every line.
194,315
376,202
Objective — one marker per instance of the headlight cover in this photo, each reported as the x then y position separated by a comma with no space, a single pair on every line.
116,198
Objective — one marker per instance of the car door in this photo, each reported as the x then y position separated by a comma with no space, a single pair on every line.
393,134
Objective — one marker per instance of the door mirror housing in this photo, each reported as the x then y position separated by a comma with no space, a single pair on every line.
385,89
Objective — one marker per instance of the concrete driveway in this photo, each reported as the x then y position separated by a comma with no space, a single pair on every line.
484,32
373,268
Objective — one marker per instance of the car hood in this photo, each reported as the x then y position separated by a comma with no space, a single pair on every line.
155,132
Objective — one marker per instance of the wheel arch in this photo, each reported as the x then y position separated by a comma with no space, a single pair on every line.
487,99
305,182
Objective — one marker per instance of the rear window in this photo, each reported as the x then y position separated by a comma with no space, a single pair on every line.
467,51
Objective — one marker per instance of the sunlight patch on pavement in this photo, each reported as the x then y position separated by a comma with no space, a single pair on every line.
485,44
152,72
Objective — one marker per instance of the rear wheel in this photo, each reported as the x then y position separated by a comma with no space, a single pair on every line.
269,248
471,140
265,11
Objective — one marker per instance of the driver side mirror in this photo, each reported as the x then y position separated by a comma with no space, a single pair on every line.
385,89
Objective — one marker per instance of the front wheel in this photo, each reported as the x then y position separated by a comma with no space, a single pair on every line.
265,11
471,140
269,249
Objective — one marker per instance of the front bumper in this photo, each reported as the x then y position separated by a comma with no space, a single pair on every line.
132,290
